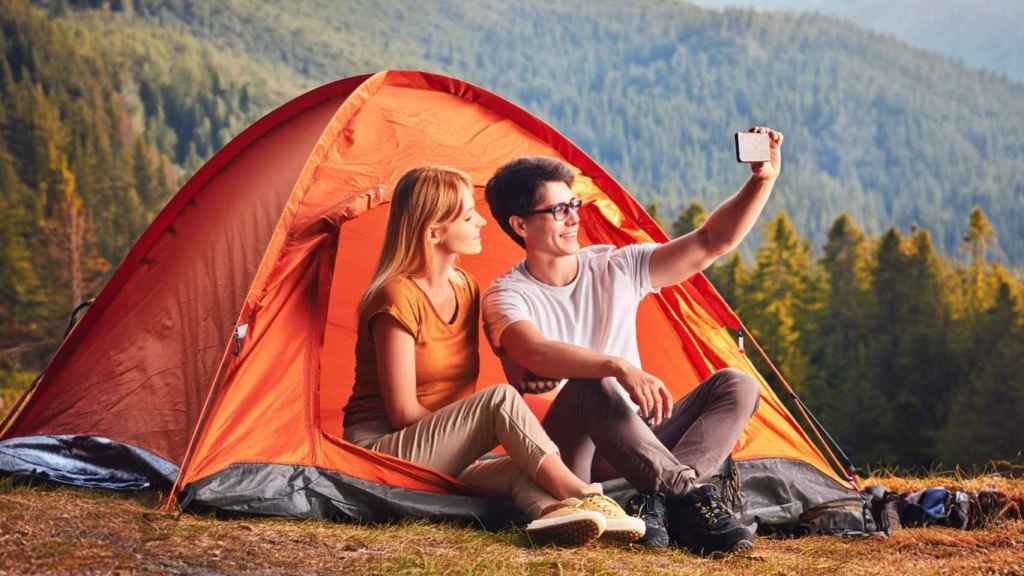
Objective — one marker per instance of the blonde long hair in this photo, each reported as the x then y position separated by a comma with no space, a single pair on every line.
423,197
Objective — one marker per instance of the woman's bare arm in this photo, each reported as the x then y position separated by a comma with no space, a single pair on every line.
396,371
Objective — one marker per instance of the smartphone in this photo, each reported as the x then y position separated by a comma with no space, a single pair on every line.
752,147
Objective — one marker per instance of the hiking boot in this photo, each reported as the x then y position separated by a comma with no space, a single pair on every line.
567,523
701,523
650,507
619,525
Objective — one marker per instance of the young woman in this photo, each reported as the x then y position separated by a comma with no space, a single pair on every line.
417,362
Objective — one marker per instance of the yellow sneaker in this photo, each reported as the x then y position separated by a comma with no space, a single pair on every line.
567,523
619,525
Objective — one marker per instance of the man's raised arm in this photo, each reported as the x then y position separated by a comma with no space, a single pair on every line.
678,259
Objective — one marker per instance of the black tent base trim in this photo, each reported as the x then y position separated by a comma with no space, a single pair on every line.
85,461
773,492
309,492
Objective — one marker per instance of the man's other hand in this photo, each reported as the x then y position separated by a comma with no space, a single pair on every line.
769,170
525,381
537,385
647,391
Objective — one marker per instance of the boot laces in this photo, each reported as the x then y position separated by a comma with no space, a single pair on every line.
642,505
711,510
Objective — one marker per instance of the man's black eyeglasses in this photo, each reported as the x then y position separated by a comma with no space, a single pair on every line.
559,211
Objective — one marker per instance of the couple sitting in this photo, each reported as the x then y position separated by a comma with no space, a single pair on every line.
564,313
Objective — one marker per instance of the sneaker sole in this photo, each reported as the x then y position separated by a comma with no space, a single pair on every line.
627,529
572,530
740,547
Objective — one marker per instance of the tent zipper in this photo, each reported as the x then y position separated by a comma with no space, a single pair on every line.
241,331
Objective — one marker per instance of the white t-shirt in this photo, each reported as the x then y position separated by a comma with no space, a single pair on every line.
597,310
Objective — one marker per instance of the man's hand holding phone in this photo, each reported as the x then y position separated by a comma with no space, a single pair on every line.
760,147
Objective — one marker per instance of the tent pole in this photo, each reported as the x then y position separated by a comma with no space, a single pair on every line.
170,504
844,465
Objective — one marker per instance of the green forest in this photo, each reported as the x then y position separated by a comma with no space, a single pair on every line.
97,131
908,358
884,281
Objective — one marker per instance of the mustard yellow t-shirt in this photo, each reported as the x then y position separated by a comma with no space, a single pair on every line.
447,358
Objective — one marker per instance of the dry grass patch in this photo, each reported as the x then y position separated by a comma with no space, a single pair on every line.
47,530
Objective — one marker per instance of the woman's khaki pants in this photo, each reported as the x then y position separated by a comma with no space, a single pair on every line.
452,440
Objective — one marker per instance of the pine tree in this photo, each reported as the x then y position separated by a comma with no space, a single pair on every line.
984,422
19,284
126,215
731,279
979,237
937,367
915,365
147,186
840,386
872,432
778,307
977,283
689,219
71,261
981,423
33,131
163,184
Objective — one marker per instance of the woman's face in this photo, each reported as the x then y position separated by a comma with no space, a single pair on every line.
462,235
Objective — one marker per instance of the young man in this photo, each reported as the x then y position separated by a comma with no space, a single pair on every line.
567,313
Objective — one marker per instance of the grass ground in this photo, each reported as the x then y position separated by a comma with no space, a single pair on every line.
52,530
55,530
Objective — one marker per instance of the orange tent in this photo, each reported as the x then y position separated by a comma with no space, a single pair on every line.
221,352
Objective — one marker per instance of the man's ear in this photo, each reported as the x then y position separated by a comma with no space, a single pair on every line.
518,225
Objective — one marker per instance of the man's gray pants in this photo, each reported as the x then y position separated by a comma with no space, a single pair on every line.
600,436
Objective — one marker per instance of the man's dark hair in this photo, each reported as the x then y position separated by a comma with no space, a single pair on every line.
515,188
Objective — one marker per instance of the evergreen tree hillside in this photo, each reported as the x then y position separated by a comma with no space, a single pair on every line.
62,149
654,89
986,33
98,124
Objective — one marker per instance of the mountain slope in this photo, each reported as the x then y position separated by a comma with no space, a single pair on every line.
982,33
654,89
